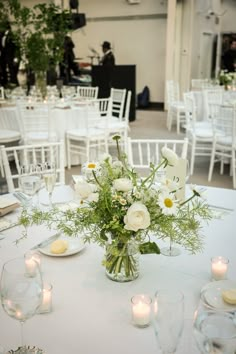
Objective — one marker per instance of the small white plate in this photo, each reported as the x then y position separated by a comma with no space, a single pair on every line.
212,294
75,245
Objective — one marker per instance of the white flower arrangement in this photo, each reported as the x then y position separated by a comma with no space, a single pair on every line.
116,206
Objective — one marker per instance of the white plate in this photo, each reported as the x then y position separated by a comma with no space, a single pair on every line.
212,294
75,245
60,195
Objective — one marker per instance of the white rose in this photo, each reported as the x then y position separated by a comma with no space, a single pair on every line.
137,217
170,155
83,189
123,184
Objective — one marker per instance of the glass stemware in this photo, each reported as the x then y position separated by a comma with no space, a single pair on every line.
21,292
29,180
215,332
170,250
168,319
49,176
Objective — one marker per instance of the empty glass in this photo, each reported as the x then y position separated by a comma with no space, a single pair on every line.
215,332
29,180
168,319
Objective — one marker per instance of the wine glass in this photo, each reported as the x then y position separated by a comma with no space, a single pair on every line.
215,332
21,292
49,176
29,180
168,319
170,250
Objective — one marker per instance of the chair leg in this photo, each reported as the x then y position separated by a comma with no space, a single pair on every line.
178,122
68,153
192,158
212,161
169,119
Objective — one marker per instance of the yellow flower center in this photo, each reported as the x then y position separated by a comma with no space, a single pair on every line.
168,203
91,165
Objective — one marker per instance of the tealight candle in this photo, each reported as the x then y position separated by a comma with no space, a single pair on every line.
141,310
219,267
46,305
31,261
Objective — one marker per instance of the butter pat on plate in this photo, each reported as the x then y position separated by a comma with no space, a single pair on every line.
229,296
59,246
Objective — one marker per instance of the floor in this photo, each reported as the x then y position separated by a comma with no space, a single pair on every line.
152,124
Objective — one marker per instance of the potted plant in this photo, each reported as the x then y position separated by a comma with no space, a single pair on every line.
39,33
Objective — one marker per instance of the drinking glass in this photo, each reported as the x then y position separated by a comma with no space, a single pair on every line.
215,332
49,176
29,180
21,293
168,319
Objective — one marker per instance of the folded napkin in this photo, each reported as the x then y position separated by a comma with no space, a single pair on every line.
7,205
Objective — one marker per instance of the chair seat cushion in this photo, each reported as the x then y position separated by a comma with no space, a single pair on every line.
8,136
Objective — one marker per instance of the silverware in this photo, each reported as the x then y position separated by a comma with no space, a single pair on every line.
45,242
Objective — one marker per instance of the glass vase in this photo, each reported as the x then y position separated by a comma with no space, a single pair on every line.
122,261
41,83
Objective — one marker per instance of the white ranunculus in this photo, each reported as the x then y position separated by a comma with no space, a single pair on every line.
123,184
137,217
83,189
170,155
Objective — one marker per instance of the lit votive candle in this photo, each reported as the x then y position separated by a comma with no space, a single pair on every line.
32,259
219,268
141,310
46,305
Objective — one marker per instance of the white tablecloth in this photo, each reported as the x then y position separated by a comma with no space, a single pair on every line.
91,314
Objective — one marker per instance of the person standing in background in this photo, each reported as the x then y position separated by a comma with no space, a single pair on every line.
229,57
108,58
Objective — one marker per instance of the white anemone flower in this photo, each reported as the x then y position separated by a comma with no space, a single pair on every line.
170,156
168,204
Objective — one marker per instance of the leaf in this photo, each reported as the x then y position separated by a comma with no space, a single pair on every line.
149,247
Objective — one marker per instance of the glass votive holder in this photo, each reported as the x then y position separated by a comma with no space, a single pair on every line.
219,268
46,305
141,310
32,258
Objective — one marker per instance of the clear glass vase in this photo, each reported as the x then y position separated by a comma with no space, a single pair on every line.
122,261
41,83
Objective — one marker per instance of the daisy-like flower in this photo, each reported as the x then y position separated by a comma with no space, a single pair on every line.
169,185
170,156
168,204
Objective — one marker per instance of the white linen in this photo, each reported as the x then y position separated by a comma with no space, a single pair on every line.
92,314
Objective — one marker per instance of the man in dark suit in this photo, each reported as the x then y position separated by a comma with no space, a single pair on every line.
9,62
108,58
229,57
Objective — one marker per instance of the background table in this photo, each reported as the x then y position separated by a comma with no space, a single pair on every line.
91,314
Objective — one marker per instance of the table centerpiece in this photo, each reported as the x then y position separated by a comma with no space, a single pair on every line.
127,214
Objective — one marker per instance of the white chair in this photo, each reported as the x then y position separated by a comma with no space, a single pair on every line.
87,92
118,102
141,152
92,139
35,120
224,140
31,154
199,133
175,107
212,96
199,84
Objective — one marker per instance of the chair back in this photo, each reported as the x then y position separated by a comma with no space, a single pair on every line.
31,154
172,92
118,102
213,96
97,114
87,92
223,124
199,84
142,152
190,111
35,119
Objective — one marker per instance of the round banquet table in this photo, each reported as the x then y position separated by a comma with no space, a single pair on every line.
91,314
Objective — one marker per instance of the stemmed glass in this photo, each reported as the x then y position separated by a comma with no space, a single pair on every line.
215,332
21,293
30,180
168,319
49,176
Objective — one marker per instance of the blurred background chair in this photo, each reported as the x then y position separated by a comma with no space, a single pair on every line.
87,92
175,107
31,154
